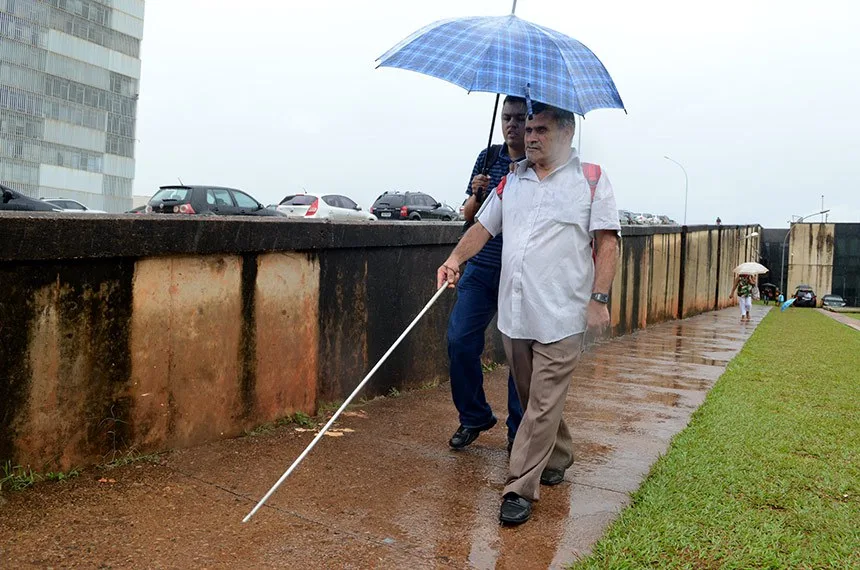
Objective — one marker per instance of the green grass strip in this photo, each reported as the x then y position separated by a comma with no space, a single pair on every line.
767,474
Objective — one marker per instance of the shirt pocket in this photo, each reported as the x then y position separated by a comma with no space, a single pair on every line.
572,207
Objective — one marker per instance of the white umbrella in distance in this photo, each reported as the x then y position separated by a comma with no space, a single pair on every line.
751,268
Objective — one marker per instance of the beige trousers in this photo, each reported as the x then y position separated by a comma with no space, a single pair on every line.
542,374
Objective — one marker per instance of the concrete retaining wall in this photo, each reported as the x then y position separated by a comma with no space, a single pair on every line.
810,258
123,333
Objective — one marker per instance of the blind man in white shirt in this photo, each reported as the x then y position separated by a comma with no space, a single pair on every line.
552,290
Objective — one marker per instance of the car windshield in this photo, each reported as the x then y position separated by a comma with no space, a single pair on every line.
832,298
298,200
172,195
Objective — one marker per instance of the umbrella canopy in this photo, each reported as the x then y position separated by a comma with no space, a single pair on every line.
508,55
751,268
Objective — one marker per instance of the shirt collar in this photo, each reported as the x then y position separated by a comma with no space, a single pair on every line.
524,169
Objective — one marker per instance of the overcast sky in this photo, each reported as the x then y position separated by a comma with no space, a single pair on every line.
756,99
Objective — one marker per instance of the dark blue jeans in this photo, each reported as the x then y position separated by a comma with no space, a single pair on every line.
477,301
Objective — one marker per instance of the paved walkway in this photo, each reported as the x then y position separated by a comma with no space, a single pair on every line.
843,318
388,494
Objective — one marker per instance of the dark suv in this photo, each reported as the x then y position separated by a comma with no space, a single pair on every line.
410,206
212,200
804,296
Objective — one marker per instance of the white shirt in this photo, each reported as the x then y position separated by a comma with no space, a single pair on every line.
547,267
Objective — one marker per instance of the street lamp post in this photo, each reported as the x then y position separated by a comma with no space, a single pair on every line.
785,239
686,185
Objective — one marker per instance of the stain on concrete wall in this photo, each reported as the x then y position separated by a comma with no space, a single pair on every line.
185,339
287,335
64,354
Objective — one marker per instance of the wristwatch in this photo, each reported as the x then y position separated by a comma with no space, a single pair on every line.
600,297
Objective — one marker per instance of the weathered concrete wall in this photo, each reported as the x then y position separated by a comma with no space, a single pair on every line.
129,332
810,258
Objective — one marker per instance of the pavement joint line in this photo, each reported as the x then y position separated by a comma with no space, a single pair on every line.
370,539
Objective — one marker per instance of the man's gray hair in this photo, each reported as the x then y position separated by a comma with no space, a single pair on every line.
562,118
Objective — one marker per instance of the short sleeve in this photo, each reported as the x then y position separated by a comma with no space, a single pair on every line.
604,212
490,214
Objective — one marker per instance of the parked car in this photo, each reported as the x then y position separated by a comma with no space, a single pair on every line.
667,221
447,212
805,296
328,207
832,300
410,206
71,206
211,200
15,201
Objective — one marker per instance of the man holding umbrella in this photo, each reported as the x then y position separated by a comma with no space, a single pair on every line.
551,290
478,292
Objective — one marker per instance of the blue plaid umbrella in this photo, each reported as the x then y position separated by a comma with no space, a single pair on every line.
510,56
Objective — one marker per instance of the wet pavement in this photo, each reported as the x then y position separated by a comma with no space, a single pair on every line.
386,493
843,318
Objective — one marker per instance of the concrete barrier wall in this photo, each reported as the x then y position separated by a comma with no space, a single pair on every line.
810,258
123,333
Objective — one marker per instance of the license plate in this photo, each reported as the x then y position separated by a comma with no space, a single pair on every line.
385,214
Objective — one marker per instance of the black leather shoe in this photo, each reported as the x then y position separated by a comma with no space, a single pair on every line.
464,436
515,509
551,477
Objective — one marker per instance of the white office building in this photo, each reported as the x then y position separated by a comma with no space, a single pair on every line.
69,82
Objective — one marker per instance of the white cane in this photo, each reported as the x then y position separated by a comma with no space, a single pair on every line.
345,404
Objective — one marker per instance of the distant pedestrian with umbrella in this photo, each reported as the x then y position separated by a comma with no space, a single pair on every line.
551,291
478,292
745,286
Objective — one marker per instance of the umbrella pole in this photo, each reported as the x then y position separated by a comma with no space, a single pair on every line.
486,167
345,404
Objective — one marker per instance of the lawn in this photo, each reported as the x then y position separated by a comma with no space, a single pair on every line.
767,474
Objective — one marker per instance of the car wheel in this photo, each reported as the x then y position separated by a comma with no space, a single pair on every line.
446,218
416,217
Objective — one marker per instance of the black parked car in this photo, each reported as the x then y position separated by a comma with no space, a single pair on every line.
411,206
831,300
805,296
211,200
13,200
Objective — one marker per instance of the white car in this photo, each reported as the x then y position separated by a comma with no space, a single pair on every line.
72,206
328,207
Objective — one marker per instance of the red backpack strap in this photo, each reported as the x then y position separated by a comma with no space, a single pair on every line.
501,187
592,174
